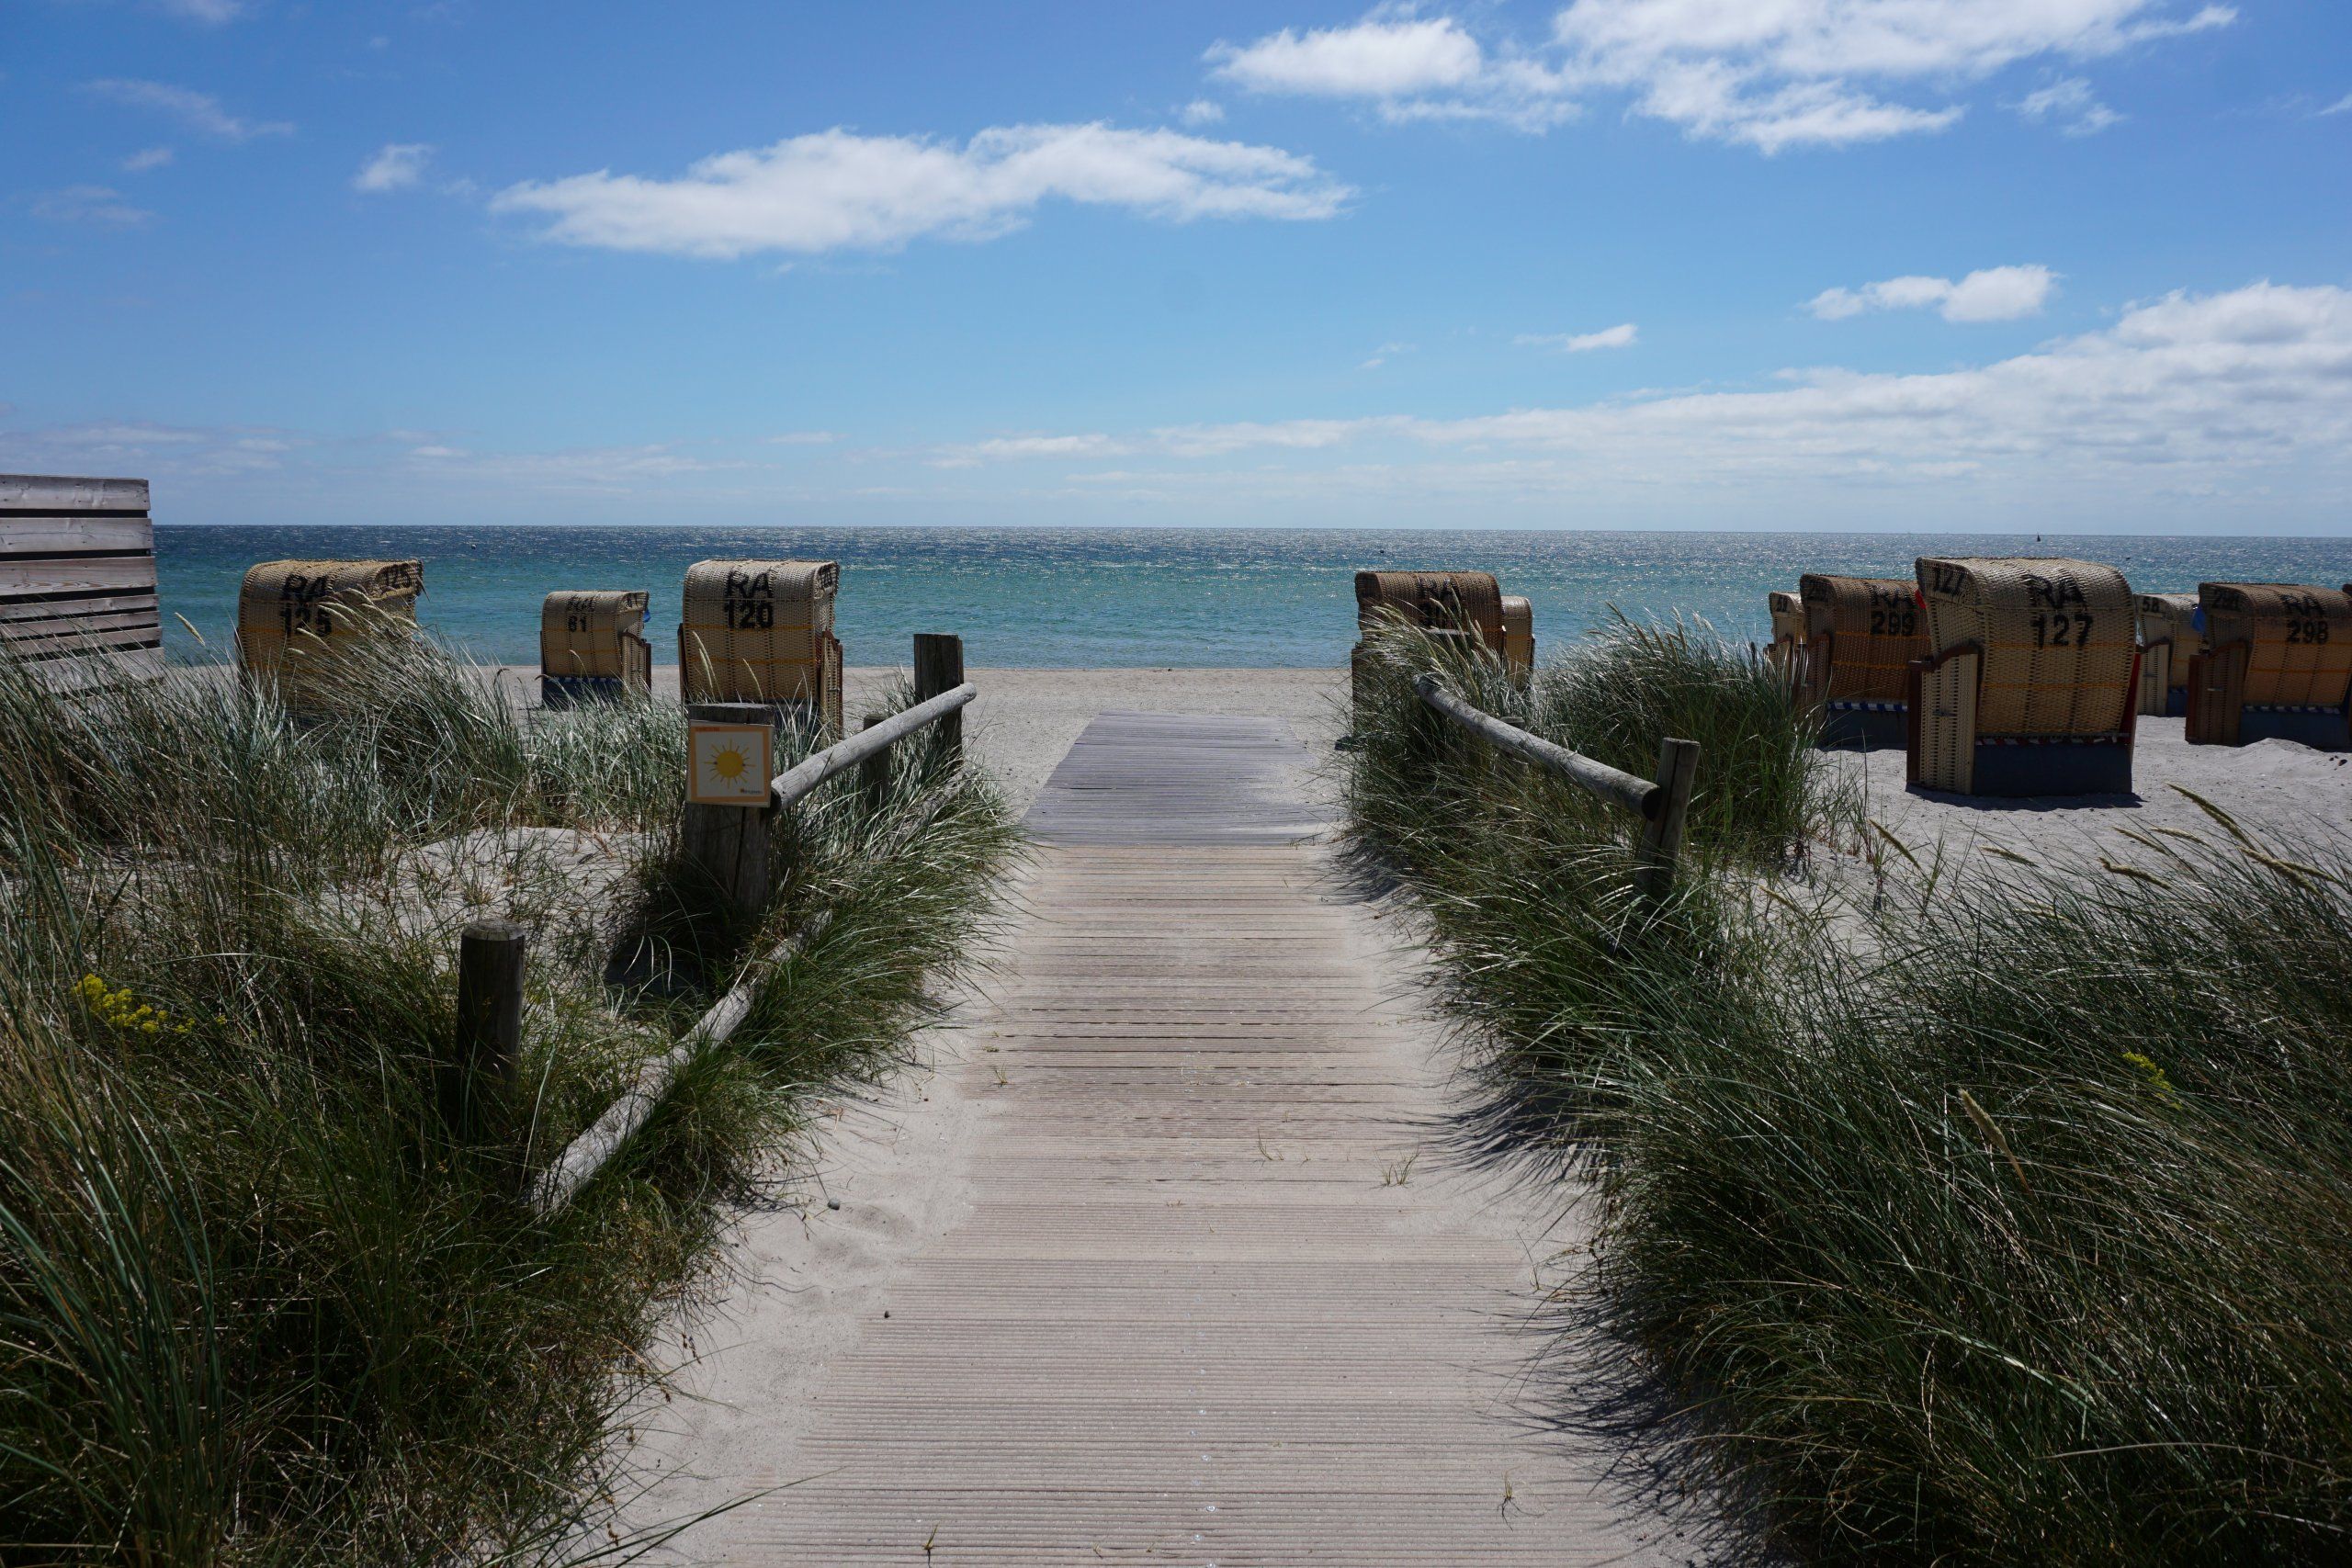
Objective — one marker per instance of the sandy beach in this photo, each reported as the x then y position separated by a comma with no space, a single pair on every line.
1023,721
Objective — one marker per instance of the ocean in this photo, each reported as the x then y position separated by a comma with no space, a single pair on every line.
1079,598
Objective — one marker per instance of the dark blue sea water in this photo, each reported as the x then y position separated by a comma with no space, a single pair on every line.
1105,597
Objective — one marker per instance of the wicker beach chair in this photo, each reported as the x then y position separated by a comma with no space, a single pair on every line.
1467,606
592,648
2171,633
1787,648
2276,666
1861,635
302,623
1518,637
762,631
2030,686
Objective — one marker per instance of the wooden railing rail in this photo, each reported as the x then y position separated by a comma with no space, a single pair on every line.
795,782
589,1152
1662,804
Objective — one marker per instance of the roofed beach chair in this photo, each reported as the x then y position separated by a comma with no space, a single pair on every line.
1467,606
1787,649
2031,683
2278,666
301,624
592,648
762,631
1518,637
1861,635
2170,636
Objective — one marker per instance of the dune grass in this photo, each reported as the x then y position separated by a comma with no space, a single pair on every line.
2002,1222
258,1303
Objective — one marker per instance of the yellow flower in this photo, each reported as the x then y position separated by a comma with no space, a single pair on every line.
2155,1076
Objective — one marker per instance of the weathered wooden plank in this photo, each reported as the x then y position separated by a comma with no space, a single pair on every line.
20,629
51,575
1176,779
53,493
73,643
115,670
71,536
55,606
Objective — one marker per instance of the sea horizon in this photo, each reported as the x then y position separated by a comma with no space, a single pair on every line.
1056,596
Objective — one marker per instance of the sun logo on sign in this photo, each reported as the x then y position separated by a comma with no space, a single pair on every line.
730,766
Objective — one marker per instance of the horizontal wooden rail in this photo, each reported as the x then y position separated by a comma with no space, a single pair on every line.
1661,805
803,776
590,1152
593,1149
1640,796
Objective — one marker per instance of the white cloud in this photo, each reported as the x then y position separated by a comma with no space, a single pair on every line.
1415,68
804,438
1991,294
1203,111
1798,71
1624,334
1771,73
2069,104
1376,58
147,158
212,13
396,166
99,206
2184,389
837,190
584,470
2341,105
1384,354
200,112
146,448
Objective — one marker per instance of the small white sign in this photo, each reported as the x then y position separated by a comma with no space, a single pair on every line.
730,764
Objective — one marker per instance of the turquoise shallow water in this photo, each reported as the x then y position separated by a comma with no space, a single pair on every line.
1114,597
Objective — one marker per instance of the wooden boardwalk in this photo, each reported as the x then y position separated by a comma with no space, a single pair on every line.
1216,1297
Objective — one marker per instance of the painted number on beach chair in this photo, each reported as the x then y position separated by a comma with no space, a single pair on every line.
2311,632
749,602
747,615
1902,620
2062,631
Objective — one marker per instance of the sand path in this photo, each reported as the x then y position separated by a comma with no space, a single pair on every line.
1168,1262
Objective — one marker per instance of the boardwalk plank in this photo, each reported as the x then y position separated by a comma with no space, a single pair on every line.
1188,1316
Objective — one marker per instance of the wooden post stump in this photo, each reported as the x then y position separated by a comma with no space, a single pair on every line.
729,844
491,956
873,774
1661,845
939,667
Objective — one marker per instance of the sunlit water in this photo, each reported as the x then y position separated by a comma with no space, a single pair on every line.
1106,597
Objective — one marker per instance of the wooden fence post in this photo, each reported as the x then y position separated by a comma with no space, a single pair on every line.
729,844
1661,845
873,774
490,955
939,667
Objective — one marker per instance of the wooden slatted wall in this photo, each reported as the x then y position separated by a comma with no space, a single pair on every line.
77,579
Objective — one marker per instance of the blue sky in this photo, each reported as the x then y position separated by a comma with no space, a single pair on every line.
2053,264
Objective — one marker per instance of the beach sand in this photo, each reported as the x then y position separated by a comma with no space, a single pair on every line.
2280,791
1023,721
